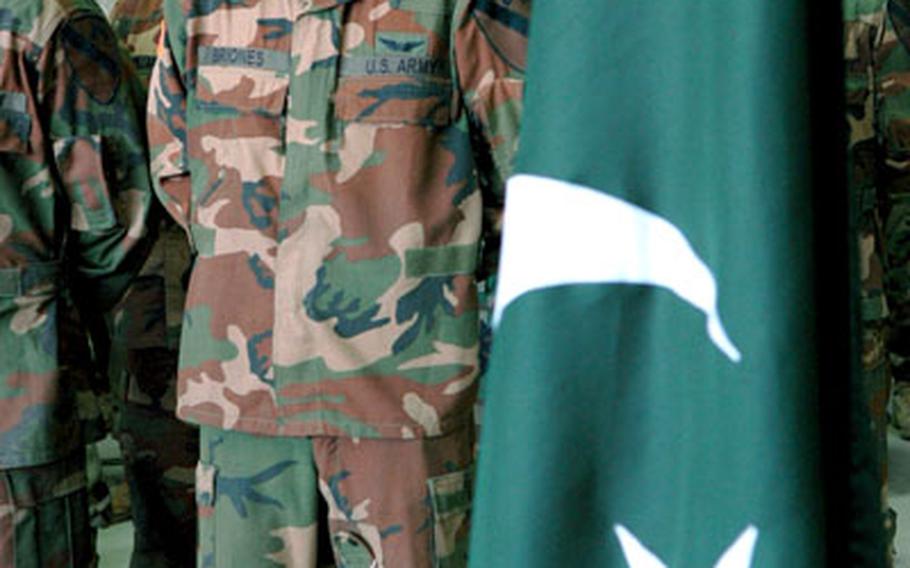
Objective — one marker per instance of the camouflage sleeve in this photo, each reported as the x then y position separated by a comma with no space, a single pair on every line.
167,121
490,49
94,125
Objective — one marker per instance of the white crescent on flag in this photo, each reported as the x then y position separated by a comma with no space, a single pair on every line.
558,233
739,555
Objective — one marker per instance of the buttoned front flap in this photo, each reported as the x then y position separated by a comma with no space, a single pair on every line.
15,122
395,64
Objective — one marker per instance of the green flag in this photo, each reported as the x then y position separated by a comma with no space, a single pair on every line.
653,395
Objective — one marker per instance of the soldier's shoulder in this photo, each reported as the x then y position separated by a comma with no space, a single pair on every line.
143,10
39,21
505,25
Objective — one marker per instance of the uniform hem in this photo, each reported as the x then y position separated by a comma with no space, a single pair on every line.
267,427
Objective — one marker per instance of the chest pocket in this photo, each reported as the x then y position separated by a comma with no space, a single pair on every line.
233,82
400,72
15,123
239,120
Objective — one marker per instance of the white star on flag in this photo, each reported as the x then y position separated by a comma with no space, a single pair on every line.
739,555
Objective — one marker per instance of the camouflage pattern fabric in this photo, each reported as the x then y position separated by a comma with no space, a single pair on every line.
44,516
878,64
74,197
257,501
160,452
893,67
332,161
156,452
391,503
138,25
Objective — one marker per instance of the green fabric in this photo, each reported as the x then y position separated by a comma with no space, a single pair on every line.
608,405
10,279
257,498
454,259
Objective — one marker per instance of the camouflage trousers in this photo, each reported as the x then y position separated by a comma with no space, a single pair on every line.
391,503
160,454
44,516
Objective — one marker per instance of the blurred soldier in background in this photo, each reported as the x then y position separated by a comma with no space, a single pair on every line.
159,451
892,67
877,49
74,201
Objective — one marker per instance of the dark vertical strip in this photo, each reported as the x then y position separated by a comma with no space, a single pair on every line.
849,469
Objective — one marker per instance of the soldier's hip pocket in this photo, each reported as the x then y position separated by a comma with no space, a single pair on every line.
450,499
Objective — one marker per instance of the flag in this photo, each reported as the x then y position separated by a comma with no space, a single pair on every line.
662,366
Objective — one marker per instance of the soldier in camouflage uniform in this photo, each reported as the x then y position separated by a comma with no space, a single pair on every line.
74,199
893,114
878,69
332,161
160,452
863,32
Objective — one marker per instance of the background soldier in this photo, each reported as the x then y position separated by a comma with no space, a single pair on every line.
892,68
877,38
331,161
74,196
160,452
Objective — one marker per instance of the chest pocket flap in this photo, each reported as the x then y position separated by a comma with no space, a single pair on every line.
400,72
242,80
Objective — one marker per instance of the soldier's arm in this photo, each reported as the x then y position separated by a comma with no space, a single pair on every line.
167,120
489,50
489,44
92,116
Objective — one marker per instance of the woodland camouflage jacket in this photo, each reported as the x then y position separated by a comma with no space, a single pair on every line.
338,165
74,196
